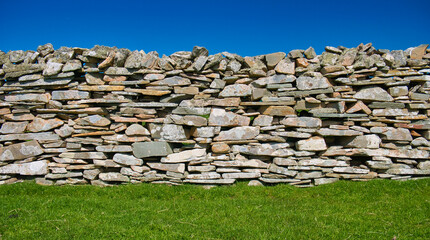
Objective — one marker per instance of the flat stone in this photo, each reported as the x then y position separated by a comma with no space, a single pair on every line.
47,136
63,175
29,97
69,95
365,141
93,120
277,110
265,149
114,148
309,83
274,79
204,176
408,171
263,120
350,170
172,81
211,181
373,94
239,163
306,122
119,71
309,175
169,132
65,131
274,58
236,90
187,90
241,175
52,68
113,177
321,181
292,134
91,174
285,67
42,125
189,120
281,170
220,148
184,156
175,167
100,88
151,149
220,117
13,127
238,133
336,132
148,92
94,78
83,155
127,159
20,151
136,129
397,134
311,144
30,168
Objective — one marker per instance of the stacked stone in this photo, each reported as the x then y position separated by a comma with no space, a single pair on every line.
105,116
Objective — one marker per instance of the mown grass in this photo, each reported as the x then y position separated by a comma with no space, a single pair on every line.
379,209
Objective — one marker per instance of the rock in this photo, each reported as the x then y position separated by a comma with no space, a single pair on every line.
65,131
211,181
306,122
172,81
93,120
13,127
310,53
238,133
295,53
30,168
219,117
204,132
277,110
184,156
189,120
397,134
20,151
204,176
275,79
69,95
199,63
83,155
72,65
151,149
274,58
285,67
29,97
420,141
336,132
94,79
136,129
127,160
308,83
43,136
45,49
365,141
255,183
350,170
399,58
419,52
398,91
91,174
236,90
135,60
171,132
42,125
265,149
52,68
309,175
424,165
220,148
311,144
321,181
241,175
280,170
178,167
207,168
113,177
262,120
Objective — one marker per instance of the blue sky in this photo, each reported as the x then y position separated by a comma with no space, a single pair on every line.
247,28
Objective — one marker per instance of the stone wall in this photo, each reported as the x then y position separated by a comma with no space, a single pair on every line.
107,115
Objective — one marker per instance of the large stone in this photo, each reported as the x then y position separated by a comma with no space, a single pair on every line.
136,129
94,120
20,151
30,168
236,90
274,79
265,149
94,79
113,177
171,132
238,133
52,68
241,175
127,159
418,52
29,97
114,148
83,155
311,144
281,170
397,134
277,110
184,156
274,58
337,132
220,117
365,141
373,94
47,136
175,167
151,149
306,122
42,125
197,121
308,83
70,95
172,81
13,127
285,67
262,120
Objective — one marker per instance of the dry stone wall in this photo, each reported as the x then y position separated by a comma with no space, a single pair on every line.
106,116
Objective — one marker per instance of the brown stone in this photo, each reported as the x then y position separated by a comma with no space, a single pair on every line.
418,52
277,110
42,125
359,106
220,148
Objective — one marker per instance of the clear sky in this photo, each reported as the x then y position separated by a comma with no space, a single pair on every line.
247,28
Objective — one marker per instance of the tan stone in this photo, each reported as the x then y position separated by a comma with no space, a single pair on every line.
277,110
220,148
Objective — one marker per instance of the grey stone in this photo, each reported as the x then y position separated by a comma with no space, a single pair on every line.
262,120
311,144
365,141
136,129
309,83
373,94
151,149
13,127
220,117
52,68
185,156
70,95
321,181
113,177
30,168
280,170
127,159
309,175
241,175
274,58
83,155
47,136
307,122
238,133
30,97
211,181
42,125
20,151
236,90
337,132
91,174
93,120
175,167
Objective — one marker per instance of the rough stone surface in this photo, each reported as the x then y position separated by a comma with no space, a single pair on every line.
311,144
31,168
151,149
20,151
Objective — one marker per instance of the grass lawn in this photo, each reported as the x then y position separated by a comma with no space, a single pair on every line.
379,209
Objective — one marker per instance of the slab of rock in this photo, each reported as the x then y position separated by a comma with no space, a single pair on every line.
20,151
172,81
308,83
42,125
174,167
241,175
13,127
309,175
419,52
285,67
397,134
29,169
136,129
184,156
373,94
125,159
337,132
365,141
263,121
281,170
274,58
211,181
48,136
93,120
52,68
311,144
204,175
236,90
91,174
151,149
113,177
29,97
188,120
265,149
277,110
274,79
83,155
220,117
70,95
170,132
238,133
220,148
114,148
305,122
321,181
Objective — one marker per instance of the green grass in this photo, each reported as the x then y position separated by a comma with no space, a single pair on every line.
379,209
